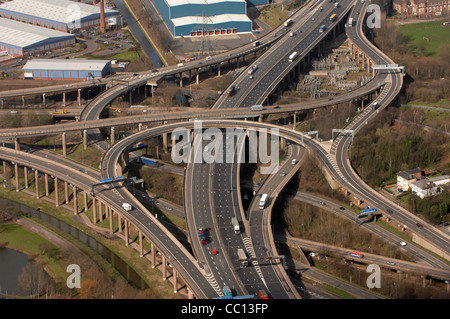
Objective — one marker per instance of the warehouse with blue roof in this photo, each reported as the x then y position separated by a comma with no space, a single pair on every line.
204,17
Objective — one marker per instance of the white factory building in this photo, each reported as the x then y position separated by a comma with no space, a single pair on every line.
62,15
20,39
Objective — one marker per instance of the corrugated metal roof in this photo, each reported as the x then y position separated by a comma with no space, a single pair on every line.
221,18
21,34
182,2
55,10
66,64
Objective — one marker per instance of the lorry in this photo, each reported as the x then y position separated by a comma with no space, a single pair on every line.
256,108
235,224
262,294
350,22
242,257
322,28
293,56
256,43
287,23
375,106
148,161
262,201
127,207
333,17
227,291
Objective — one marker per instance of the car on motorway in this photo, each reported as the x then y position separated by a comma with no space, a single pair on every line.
419,225
390,211
294,161
402,243
283,174
322,203
341,208
391,263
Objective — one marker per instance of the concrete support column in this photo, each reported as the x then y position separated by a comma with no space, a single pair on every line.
164,270
56,192
75,201
127,239
46,184
17,144
16,173
64,144
152,255
64,98
218,70
66,191
197,77
120,223
112,137
165,142
111,220
25,176
4,170
43,98
100,210
85,197
175,280
181,79
295,120
141,245
36,182
23,101
94,210
79,97
140,127
85,139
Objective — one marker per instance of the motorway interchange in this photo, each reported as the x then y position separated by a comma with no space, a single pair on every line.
212,190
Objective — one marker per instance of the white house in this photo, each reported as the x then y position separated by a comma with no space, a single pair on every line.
428,187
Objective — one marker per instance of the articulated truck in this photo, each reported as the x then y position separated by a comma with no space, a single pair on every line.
262,201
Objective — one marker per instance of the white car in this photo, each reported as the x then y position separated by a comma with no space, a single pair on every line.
403,243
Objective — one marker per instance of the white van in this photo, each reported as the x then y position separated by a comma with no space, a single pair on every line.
180,64
127,207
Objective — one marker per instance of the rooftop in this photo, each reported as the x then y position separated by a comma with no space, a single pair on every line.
55,10
212,19
65,64
182,2
21,34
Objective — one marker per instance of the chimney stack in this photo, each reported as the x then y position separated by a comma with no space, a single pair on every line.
102,16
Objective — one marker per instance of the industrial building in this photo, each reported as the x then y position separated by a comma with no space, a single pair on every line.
66,69
61,15
20,39
204,17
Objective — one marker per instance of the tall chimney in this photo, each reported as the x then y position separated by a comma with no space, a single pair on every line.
102,16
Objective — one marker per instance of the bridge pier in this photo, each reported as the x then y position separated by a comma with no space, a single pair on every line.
47,192
25,176
66,192
36,182
127,239
165,142
85,198
112,135
94,210
141,245
16,173
56,190
111,219
63,142
75,200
